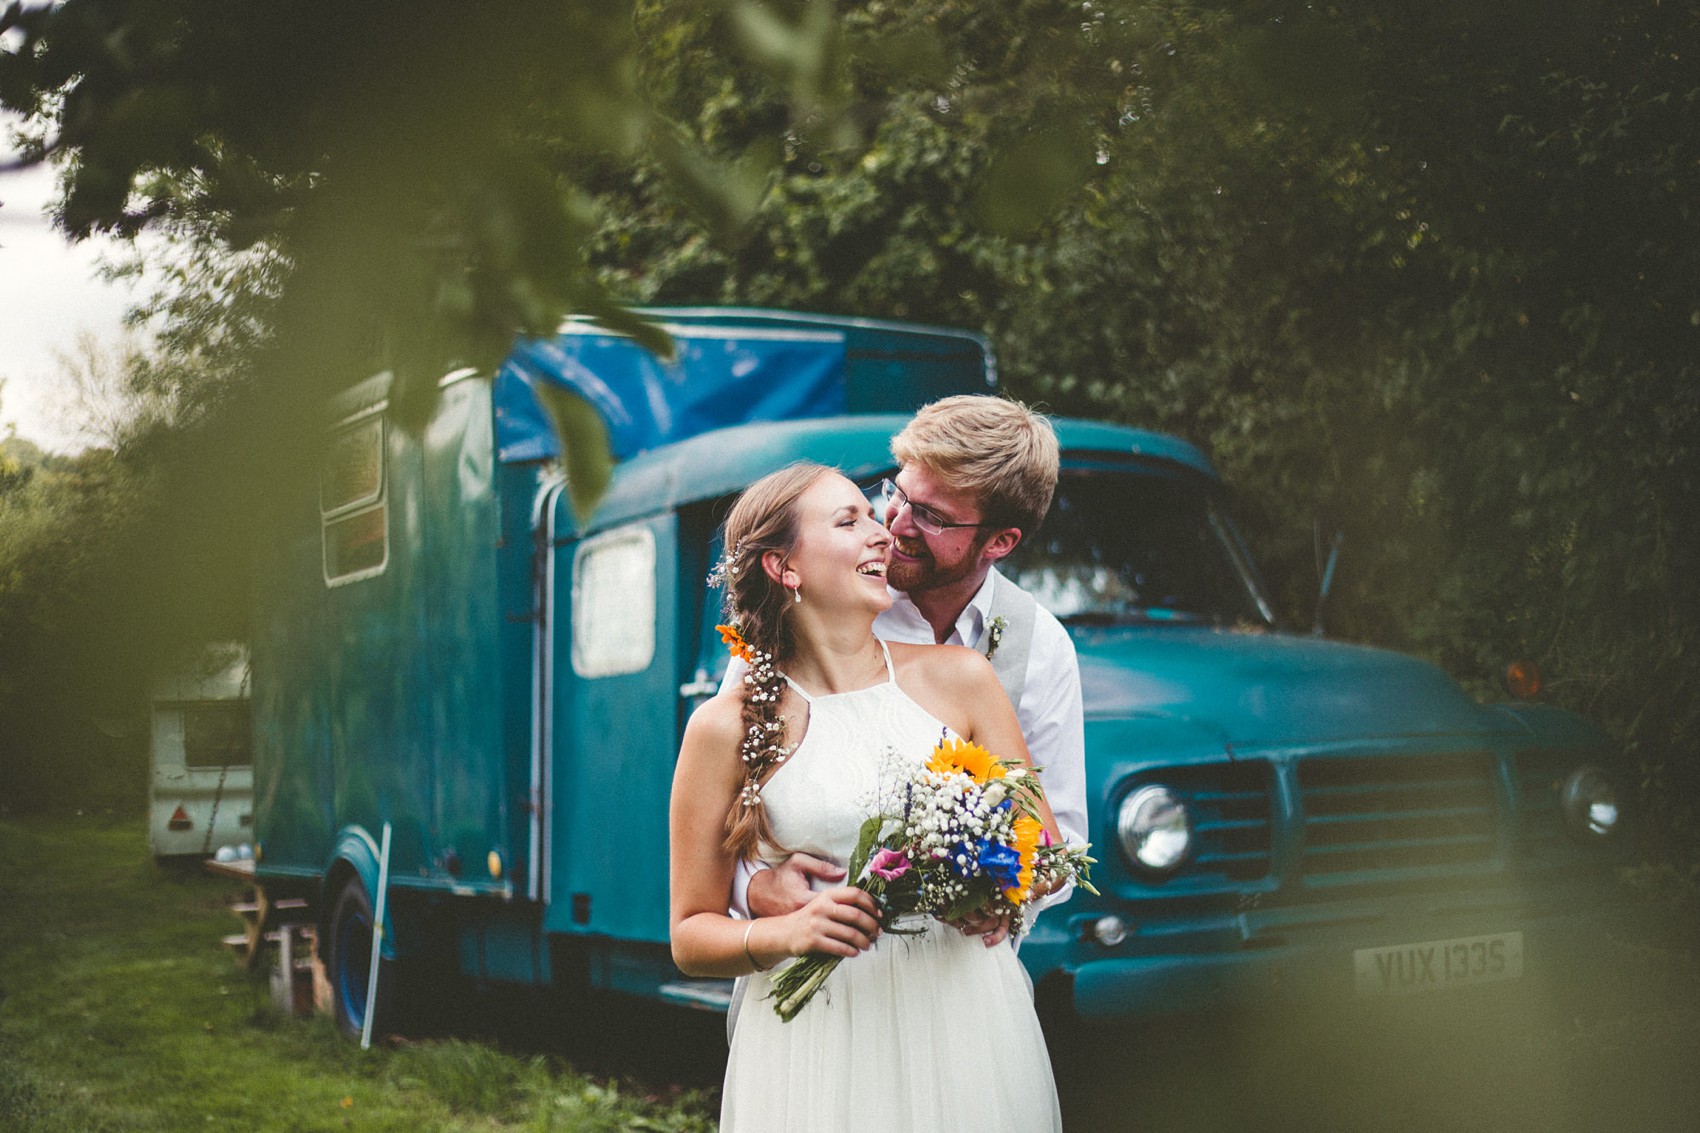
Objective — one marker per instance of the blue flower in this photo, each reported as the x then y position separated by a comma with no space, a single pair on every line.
1002,863
962,859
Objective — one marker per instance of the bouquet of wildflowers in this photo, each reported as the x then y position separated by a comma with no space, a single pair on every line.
956,835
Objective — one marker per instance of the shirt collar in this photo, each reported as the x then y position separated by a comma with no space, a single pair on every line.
971,623
906,623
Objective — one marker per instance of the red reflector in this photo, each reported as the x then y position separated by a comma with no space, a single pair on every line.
1523,679
179,820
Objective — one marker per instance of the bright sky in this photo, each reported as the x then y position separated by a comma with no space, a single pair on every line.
49,292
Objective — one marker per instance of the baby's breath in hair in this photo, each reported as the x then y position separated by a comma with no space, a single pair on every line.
726,570
758,612
763,747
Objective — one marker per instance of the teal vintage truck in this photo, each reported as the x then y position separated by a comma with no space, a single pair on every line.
467,702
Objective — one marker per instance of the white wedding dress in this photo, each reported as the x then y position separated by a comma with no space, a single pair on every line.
921,1034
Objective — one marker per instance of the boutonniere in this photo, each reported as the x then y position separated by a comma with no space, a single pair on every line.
994,636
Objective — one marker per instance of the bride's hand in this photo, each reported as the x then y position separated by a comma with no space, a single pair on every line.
989,928
843,922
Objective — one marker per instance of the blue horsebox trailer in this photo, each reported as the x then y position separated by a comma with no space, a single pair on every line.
444,652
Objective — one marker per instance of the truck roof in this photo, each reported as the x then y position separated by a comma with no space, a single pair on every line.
725,461
731,366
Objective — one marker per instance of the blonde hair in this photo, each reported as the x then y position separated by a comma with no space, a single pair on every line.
763,519
995,448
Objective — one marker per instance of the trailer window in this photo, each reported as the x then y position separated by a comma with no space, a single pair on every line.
352,505
614,603
217,735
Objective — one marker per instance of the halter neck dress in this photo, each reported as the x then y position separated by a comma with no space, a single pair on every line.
930,1033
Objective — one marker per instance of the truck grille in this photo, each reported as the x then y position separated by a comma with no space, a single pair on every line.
1229,808
1540,827
1414,814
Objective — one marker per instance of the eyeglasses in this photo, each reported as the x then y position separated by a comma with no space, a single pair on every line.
925,517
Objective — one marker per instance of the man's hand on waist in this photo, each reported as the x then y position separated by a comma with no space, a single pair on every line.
789,886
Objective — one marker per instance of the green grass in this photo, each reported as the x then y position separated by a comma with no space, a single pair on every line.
120,1011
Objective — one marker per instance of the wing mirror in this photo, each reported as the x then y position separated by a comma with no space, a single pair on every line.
1326,571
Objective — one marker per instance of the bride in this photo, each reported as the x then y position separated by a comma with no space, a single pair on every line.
927,1032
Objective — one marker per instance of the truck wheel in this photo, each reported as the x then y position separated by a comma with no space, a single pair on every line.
348,960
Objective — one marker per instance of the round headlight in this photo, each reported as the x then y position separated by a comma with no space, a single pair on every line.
1109,931
1589,802
1154,829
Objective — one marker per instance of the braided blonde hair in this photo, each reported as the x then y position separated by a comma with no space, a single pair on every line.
763,519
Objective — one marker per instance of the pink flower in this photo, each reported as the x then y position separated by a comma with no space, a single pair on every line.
889,865
1044,837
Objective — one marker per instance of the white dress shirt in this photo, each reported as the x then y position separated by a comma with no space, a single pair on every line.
1050,711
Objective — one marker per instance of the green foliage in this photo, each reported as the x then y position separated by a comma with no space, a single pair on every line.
344,189
469,1077
382,186
1420,276
477,1079
70,731
398,185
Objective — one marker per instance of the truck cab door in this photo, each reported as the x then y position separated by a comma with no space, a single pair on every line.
616,664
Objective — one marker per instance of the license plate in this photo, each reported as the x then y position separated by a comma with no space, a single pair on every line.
1460,962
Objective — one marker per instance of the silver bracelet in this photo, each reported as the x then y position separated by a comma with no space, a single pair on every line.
750,956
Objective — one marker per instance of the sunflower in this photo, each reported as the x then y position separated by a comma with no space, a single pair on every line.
953,755
1026,830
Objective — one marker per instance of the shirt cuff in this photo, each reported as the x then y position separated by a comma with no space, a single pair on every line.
746,869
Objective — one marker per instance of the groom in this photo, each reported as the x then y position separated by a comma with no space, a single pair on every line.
975,477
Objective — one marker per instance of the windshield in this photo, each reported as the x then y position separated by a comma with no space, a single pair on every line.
1132,546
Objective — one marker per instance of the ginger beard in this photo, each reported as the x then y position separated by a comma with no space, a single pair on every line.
912,567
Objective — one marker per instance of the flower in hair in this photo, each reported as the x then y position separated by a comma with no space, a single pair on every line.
734,641
762,748
727,568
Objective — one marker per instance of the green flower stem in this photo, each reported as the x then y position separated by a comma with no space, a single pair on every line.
794,993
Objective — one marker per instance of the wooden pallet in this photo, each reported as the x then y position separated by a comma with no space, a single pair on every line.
260,918
297,979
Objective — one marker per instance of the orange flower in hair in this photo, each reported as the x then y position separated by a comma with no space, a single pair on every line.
735,643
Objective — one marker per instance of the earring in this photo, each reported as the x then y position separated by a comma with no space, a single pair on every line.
797,595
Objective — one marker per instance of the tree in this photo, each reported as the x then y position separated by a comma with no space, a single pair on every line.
347,188
1424,275
413,164
70,537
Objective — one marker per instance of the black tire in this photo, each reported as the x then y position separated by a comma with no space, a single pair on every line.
348,960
